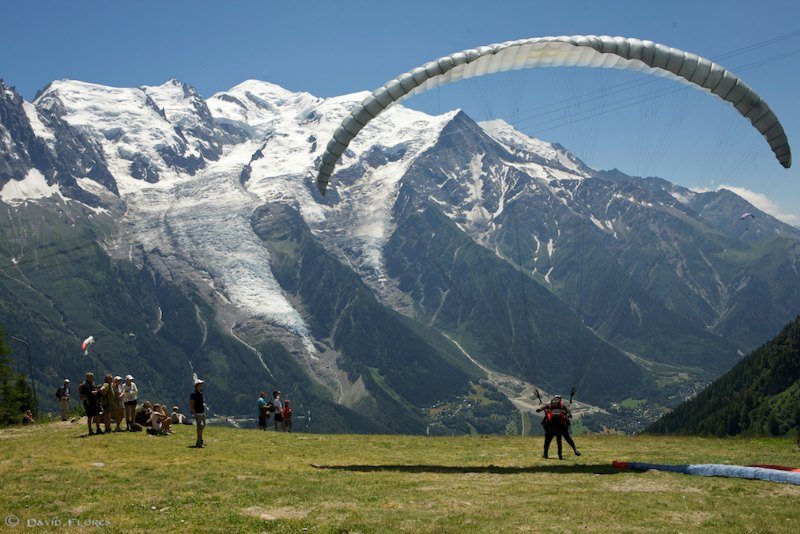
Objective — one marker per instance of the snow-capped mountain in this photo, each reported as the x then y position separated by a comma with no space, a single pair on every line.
485,240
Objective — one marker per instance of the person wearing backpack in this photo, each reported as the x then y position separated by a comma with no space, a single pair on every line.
556,424
62,394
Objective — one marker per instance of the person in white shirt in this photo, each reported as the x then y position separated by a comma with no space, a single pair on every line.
129,395
159,420
177,417
118,407
276,407
63,399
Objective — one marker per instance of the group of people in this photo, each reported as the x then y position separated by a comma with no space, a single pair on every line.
281,412
556,424
115,400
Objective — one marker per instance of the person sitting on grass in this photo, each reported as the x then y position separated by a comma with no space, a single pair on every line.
177,417
159,421
27,418
143,415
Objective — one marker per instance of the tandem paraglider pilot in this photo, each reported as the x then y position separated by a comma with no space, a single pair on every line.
556,424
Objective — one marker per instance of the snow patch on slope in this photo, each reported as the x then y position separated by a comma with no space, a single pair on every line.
39,129
32,187
295,137
206,221
520,144
126,123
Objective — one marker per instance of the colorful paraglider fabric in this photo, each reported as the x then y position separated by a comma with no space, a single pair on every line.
85,346
769,473
574,51
778,467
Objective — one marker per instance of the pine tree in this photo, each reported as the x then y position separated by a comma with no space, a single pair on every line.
15,392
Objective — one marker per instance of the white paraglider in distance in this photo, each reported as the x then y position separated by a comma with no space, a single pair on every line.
85,345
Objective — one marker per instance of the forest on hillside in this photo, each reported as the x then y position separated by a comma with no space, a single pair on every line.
759,396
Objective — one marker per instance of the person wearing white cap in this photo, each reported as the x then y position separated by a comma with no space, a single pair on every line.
62,394
117,406
129,395
198,408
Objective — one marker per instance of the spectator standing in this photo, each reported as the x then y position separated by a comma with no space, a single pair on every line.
263,410
198,409
129,395
63,399
119,410
287,417
107,400
277,408
89,394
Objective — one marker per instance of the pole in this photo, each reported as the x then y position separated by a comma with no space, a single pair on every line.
30,369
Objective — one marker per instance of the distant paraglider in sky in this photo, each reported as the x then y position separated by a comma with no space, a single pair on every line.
575,51
85,345
747,217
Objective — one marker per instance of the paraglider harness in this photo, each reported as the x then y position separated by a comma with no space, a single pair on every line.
557,413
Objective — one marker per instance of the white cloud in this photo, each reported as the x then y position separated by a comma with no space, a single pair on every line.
761,201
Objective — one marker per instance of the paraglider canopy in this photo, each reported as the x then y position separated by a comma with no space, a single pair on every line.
85,345
574,51
746,215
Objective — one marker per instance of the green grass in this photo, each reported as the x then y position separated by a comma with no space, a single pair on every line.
246,480
632,404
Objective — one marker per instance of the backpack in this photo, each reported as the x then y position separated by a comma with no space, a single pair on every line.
59,393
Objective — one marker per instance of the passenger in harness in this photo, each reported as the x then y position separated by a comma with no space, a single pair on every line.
556,424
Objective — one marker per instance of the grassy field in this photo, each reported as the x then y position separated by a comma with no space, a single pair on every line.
252,481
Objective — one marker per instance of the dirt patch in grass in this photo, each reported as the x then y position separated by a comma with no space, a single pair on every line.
650,484
274,514
692,517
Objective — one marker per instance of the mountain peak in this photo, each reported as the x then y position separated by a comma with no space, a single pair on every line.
266,90
519,142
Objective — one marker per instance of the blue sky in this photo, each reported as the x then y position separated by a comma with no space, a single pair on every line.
608,118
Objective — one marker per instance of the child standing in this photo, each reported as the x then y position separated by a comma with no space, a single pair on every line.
287,417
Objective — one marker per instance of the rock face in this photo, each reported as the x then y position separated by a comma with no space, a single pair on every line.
444,248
